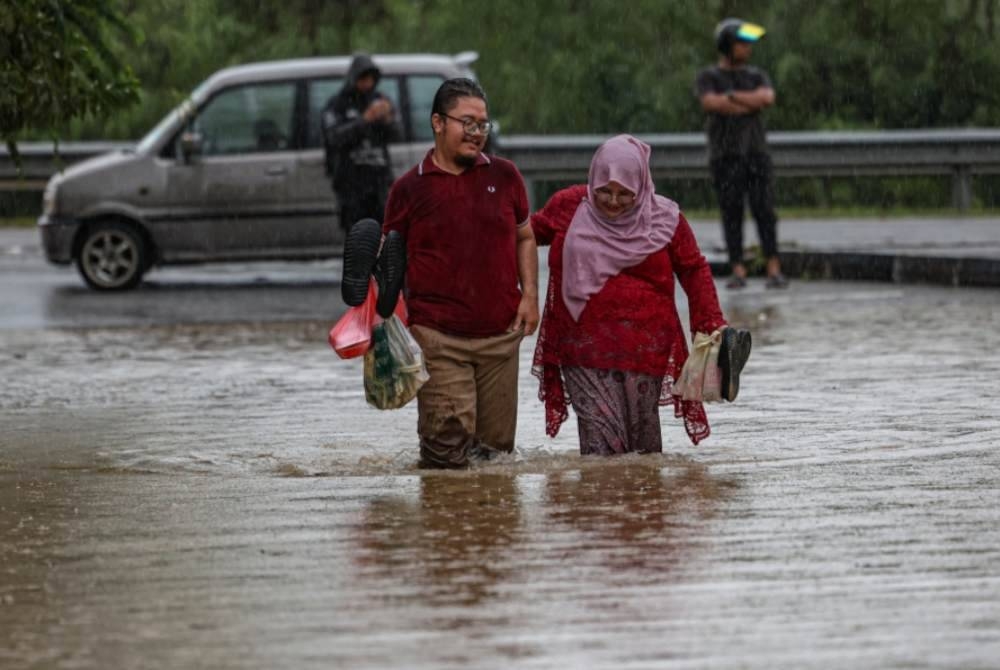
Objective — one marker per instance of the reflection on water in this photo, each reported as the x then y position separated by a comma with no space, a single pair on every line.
843,513
763,320
450,543
459,542
636,517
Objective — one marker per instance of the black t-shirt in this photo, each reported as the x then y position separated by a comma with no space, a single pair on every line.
733,135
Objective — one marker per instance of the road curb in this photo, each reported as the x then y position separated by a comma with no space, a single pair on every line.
892,268
796,263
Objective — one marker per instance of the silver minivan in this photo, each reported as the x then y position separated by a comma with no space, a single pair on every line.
236,172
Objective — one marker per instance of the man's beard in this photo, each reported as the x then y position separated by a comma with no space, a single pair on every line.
465,161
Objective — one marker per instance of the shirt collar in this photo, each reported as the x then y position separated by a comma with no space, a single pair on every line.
427,165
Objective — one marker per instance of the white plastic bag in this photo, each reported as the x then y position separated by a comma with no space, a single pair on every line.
700,378
394,366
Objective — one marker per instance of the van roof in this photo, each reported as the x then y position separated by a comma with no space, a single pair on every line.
457,65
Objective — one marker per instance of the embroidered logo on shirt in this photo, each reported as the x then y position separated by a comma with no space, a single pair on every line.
491,188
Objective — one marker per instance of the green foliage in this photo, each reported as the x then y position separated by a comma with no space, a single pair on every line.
561,66
57,63
922,63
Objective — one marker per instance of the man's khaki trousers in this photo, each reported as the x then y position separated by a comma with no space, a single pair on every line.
469,405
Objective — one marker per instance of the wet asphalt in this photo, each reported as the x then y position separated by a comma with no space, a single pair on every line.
190,478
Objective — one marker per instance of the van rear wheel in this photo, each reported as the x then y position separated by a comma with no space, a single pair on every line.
112,257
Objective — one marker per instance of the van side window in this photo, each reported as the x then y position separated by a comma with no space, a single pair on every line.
422,89
247,119
320,92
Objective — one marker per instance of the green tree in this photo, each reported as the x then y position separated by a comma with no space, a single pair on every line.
57,64
579,66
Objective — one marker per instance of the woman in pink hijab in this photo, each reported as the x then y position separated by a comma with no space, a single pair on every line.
611,344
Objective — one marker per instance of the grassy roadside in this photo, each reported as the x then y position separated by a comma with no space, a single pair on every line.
18,221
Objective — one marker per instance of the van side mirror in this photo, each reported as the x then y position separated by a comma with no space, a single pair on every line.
191,144
492,145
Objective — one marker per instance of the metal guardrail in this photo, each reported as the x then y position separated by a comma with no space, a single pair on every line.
959,153
40,160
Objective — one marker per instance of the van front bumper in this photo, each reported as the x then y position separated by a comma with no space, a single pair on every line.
57,238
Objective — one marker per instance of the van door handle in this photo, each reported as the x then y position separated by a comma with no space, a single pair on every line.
277,170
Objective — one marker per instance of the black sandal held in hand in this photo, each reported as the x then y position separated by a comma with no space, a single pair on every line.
733,354
360,253
389,272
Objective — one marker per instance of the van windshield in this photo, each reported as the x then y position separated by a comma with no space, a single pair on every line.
169,123
164,127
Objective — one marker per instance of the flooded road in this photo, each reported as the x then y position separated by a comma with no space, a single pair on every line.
214,493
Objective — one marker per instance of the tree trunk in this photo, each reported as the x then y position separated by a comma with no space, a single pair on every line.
971,13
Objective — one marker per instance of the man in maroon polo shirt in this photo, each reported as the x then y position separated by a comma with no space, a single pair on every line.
471,280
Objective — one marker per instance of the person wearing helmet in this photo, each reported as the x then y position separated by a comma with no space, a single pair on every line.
733,93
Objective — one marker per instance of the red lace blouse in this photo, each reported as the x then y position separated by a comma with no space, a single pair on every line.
631,324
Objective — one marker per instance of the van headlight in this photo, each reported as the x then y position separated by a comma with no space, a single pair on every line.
49,198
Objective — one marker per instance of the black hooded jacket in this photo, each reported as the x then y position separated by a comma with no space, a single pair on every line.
357,155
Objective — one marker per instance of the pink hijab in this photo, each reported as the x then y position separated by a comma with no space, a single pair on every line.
598,248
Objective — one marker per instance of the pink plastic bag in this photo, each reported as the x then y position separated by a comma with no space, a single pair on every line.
352,335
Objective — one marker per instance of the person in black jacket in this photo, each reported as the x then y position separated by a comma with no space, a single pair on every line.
358,124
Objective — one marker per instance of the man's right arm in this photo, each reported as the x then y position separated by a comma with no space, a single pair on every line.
386,127
758,98
376,122
723,103
735,103
341,132
707,87
716,97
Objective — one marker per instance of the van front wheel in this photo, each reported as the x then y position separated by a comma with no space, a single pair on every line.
112,256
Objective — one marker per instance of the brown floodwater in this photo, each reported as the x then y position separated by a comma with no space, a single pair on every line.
220,496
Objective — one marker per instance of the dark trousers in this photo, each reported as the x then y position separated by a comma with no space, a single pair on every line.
355,205
735,178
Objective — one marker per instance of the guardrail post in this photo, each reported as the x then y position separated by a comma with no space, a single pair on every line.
961,188
826,191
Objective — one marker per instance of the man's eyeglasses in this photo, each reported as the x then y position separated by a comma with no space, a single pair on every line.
624,199
471,126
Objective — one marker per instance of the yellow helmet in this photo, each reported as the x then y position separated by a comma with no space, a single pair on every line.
730,31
